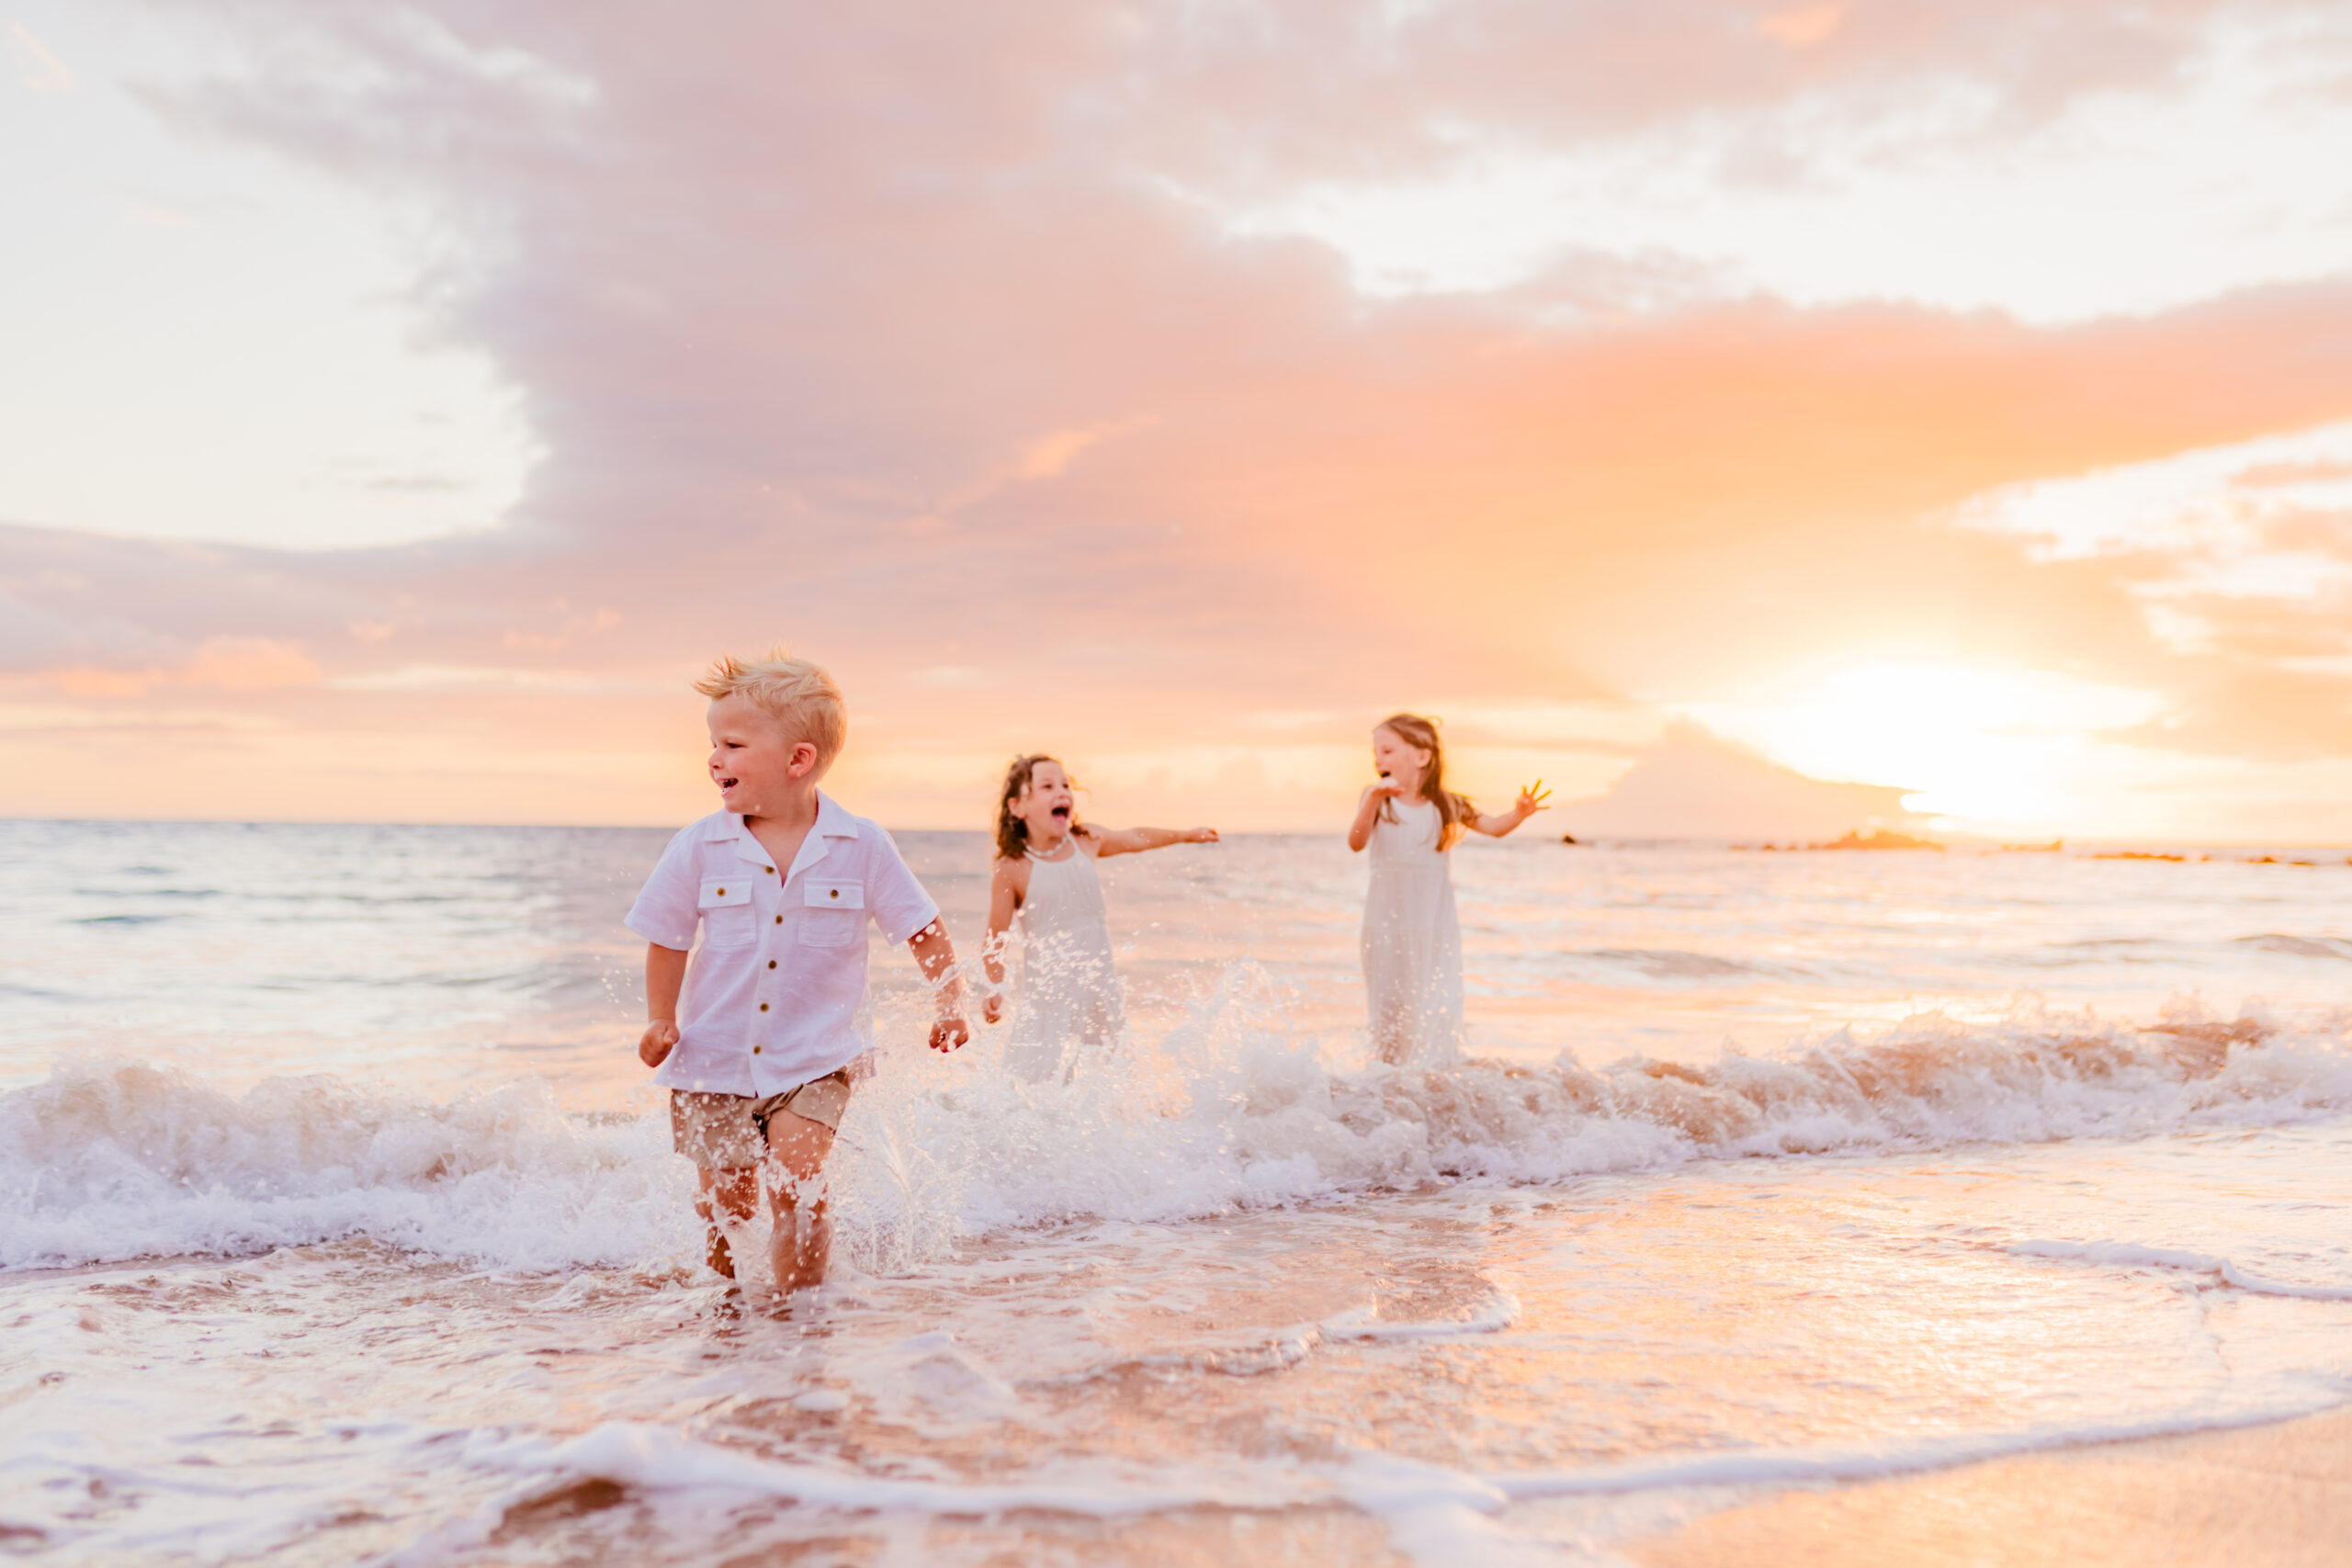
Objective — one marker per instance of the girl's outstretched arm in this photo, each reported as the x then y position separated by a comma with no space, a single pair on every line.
1007,885
1135,841
1532,799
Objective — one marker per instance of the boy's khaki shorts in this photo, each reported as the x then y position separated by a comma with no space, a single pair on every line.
730,1131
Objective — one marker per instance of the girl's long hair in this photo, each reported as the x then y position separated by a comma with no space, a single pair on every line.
1453,811
1012,833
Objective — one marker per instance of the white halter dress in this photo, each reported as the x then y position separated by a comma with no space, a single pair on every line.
1412,943
1067,995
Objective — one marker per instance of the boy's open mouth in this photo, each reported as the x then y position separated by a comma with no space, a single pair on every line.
727,783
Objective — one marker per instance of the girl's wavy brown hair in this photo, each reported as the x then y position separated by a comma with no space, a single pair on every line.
1012,833
1453,811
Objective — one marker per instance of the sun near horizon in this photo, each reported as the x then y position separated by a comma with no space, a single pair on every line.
1955,412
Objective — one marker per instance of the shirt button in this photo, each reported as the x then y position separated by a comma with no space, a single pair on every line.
722,893
834,893
755,1050
769,869
779,920
771,962
763,1006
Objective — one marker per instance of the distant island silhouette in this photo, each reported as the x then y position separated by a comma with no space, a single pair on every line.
1877,839
1693,784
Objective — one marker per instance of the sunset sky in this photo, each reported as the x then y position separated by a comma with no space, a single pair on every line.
400,403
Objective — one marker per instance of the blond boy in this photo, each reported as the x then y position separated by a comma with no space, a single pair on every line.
755,1037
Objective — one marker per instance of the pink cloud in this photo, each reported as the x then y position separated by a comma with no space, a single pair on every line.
884,330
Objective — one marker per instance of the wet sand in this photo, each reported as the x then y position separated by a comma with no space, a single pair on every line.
2276,1495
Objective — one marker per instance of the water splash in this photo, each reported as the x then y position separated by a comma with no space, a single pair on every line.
1233,1108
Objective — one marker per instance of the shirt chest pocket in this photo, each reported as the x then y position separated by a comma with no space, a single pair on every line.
832,914
725,906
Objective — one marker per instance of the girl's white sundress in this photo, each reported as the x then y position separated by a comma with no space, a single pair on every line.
1068,993
1412,941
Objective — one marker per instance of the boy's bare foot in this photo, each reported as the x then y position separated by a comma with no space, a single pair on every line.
721,1260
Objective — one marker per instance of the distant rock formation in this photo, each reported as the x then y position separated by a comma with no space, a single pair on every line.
1880,840
1694,783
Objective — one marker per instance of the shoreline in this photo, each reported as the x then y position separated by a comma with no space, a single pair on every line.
2278,1493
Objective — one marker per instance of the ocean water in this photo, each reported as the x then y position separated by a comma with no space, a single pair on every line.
338,1223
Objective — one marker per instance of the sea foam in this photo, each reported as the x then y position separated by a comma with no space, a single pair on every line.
106,1161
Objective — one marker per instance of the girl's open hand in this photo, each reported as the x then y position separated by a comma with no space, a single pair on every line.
1384,788
1198,836
1532,799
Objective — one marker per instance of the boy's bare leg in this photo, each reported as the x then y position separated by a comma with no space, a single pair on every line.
725,1195
804,1226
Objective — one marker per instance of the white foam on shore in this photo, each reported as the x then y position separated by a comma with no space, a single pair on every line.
1498,1311
2135,1255
1782,1468
1435,1514
108,1161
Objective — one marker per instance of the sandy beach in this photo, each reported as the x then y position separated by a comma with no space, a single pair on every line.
2280,1495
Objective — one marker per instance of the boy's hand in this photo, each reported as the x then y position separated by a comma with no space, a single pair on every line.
950,1033
1199,836
661,1037
993,1009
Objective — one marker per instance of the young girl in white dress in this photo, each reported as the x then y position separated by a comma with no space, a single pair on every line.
1067,994
1412,943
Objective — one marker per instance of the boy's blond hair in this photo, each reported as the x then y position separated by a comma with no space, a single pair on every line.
795,694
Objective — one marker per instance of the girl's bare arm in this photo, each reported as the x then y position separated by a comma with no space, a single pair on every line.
1007,887
1135,841
1532,799
1368,811
1008,884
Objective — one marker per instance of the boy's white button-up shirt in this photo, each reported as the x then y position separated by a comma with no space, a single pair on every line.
771,992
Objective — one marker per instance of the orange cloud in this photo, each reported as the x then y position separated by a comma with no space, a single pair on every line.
786,337
1800,28
220,663
248,664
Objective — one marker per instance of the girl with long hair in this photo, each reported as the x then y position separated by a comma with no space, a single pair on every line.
1412,940
1044,882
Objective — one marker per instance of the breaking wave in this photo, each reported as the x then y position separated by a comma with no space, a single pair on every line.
109,1160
